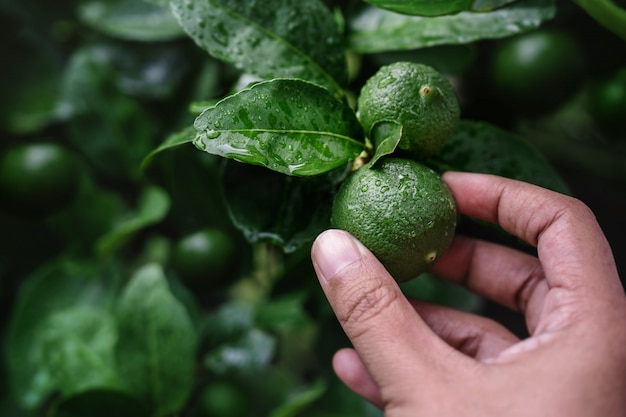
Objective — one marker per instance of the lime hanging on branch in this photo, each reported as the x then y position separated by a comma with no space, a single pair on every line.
417,99
401,210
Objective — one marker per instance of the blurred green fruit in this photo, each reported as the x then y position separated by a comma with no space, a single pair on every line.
207,255
536,71
38,179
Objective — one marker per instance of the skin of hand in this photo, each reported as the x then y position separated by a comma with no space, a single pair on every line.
411,358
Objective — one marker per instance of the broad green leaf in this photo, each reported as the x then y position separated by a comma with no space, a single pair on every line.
283,314
423,7
485,148
136,20
157,343
270,39
113,130
184,136
99,403
248,354
487,5
290,126
229,322
300,401
608,13
429,288
53,288
77,349
438,7
376,30
392,133
30,86
269,206
152,207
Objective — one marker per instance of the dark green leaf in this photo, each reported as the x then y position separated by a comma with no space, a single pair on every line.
157,343
182,137
608,13
113,130
290,126
485,148
392,133
438,7
283,314
299,401
152,207
53,288
423,7
248,354
99,403
268,206
30,86
136,20
77,349
376,30
275,38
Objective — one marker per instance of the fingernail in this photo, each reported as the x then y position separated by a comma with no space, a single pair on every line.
332,251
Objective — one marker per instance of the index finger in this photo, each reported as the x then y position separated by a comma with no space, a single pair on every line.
571,246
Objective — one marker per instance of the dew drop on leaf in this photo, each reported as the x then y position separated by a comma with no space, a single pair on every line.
212,134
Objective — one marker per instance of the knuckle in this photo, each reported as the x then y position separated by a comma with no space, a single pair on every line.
364,304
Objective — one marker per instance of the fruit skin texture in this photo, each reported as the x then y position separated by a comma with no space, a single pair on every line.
418,98
401,210
37,179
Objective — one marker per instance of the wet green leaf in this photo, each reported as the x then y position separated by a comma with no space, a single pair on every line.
376,30
156,349
184,136
485,148
423,7
136,20
99,403
51,289
270,38
152,207
248,354
300,401
392,133
290,126
299,213
30,87
77,349
438,7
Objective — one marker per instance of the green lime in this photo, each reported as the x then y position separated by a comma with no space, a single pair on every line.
401,210
38,178
207,255
418,98
536,71
224,399
607,101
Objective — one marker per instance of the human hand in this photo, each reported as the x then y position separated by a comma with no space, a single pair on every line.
412,358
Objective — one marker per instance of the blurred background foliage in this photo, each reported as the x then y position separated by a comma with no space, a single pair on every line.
133,290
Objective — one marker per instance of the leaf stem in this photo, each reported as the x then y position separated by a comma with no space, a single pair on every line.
607,13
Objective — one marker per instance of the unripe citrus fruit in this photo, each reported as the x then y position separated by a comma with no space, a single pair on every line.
536,71
401,210
207,255
38,178
607,101
418,98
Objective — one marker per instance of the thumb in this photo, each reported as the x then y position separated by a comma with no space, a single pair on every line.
393,342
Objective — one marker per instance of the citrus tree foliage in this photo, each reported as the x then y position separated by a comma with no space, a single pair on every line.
188,116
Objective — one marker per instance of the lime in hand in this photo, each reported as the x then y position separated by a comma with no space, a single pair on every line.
401,210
